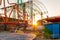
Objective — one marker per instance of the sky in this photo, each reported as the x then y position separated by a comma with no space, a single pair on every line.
53,6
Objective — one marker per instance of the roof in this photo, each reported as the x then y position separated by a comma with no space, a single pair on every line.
53,19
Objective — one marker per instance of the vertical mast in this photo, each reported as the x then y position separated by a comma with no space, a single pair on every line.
5,20
31,9
0,2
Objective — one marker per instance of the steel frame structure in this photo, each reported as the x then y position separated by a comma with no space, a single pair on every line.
17,8
14,6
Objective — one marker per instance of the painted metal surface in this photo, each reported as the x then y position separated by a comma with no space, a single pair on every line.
54,28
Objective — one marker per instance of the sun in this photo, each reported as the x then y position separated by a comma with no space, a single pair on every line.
37,17
34,23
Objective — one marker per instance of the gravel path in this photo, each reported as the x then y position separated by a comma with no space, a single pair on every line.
15,36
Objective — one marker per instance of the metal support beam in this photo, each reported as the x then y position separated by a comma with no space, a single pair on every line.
0,2
5,19
31,9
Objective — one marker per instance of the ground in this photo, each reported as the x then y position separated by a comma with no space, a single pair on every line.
20,36
15,36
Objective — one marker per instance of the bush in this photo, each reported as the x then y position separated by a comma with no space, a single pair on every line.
47,33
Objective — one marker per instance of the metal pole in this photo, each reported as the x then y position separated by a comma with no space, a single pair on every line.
5,20
31,9
24,12
0,2
18,2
